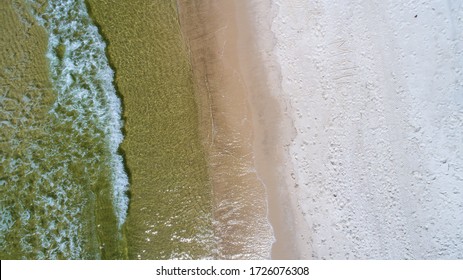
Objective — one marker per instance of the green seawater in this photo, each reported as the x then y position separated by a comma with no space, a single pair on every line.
67,68
57,174
170,211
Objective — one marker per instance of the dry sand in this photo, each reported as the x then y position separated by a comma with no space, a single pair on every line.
375,92
354,128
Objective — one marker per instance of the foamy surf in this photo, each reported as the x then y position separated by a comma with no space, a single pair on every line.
83,79
62,180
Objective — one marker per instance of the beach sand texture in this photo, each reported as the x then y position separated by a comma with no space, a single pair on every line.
375,93
219,50
253,129
366,132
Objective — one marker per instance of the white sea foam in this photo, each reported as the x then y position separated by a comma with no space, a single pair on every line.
6,220
87,104
84,81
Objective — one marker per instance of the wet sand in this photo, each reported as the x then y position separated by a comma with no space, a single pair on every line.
240,123
340,124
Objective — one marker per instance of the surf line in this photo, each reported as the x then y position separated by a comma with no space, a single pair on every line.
83,79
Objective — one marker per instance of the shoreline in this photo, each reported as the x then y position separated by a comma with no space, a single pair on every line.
353,132
253,129
234,103
272,125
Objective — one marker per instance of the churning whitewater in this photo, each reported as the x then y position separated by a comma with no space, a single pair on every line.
63,195
83,79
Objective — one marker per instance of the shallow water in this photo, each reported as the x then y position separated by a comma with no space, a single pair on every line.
170,212
61,174
64,187
67,191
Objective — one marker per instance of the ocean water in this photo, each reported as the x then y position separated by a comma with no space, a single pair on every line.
170,212
65,192
63,184
82,77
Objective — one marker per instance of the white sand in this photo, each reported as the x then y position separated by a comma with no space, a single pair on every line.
374,90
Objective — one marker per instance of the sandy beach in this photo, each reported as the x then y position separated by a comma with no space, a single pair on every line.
354,110
231,129
244,127
376,96
227,77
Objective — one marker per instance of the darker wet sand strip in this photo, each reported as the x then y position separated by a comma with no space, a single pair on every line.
240,122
